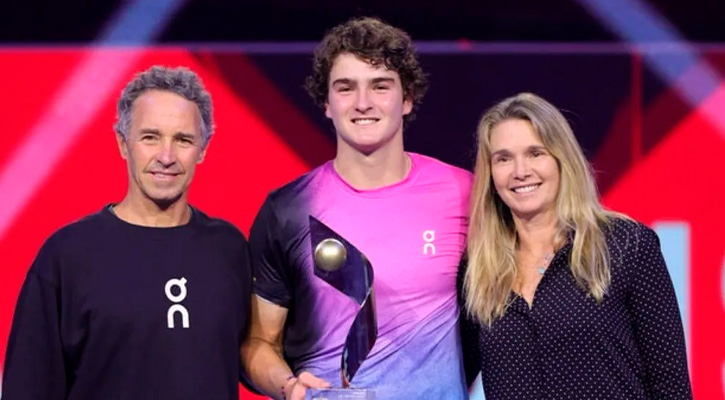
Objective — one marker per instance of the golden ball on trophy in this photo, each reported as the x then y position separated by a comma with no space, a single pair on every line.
330,254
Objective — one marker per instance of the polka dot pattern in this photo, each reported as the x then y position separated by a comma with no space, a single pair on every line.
568,346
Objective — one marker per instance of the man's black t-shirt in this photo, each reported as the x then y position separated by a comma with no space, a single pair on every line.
111,310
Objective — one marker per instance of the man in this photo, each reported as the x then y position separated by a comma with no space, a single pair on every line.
147,298
405,212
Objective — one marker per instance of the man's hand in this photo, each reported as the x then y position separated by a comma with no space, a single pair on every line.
296,388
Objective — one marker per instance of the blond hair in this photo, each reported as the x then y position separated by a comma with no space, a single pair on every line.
492,239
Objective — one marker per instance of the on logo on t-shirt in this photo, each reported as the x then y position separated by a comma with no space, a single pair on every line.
176,308
429,246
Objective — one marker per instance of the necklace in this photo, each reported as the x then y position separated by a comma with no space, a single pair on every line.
547,259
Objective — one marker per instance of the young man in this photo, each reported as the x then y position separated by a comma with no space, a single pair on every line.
147,298
405,212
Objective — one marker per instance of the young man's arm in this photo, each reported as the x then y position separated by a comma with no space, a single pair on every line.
262,352
263,359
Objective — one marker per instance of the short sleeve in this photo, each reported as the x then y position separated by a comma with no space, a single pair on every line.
271,278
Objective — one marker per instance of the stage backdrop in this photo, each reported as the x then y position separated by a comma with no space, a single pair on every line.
658,152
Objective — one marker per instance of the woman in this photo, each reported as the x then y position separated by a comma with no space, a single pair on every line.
572,301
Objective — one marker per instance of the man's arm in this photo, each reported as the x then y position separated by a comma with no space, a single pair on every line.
262,355
34,362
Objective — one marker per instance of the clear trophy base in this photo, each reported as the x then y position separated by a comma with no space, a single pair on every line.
340,394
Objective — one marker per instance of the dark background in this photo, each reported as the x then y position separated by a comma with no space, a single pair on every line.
289,20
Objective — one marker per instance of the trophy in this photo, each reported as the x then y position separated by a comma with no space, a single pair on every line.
345,268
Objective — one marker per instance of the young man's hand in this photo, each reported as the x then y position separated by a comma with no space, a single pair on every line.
296,388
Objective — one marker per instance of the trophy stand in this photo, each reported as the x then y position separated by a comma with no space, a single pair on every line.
345,268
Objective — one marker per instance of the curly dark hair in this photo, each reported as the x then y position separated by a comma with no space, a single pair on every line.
379,44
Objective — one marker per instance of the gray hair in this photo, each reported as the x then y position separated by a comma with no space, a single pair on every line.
179,80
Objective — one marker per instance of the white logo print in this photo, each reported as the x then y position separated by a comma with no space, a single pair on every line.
176,308
428,237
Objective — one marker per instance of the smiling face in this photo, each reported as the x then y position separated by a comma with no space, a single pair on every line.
366,104
162,147
525,174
